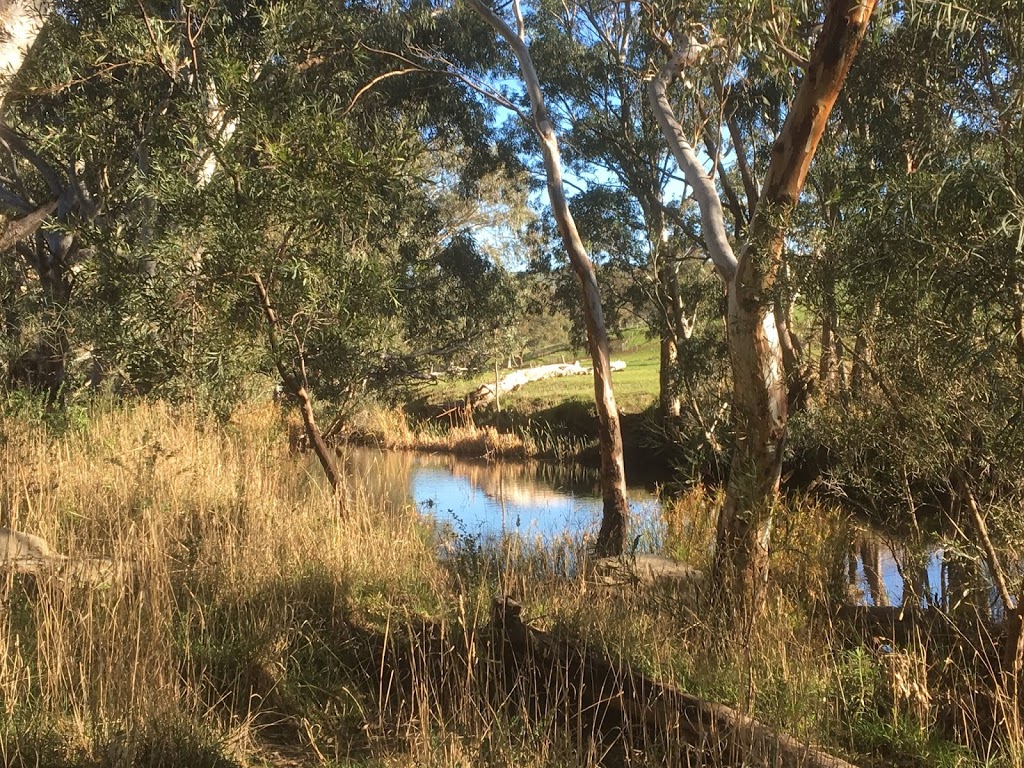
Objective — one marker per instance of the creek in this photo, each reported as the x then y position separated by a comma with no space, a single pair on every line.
484,500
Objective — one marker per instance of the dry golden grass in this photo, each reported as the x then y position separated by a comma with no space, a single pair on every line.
251,626
223,534
390,429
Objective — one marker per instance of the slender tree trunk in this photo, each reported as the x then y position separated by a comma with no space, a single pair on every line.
669,404
671,332
297,390
756,352
828,360
1018,322
672,319
612,536
1012,661
798,380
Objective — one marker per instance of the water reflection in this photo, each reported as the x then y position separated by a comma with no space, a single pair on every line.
884,572
533,499
491,498
887,571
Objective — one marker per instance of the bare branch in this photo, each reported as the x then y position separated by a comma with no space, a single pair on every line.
378,79
167,70
451,70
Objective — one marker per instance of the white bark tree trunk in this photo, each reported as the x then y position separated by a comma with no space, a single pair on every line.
611,539
759,384
21,21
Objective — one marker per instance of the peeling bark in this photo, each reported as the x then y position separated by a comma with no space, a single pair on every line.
756,347
21,21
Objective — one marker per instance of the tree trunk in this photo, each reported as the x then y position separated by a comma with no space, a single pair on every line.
1018,321
21,21
668,385
798,381
759,418
861,359
673,324
828,360
759,387
612,536
297,390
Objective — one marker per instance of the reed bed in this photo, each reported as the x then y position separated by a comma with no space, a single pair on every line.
458,434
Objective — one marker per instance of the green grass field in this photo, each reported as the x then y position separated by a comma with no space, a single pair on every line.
636,388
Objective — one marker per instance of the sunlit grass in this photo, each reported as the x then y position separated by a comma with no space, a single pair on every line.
255,616
636,387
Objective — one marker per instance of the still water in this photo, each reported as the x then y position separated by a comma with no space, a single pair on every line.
489,499
543,501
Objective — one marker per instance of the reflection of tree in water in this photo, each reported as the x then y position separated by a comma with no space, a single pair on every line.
871,559
380,475
890,564
387,475
574,478
946,575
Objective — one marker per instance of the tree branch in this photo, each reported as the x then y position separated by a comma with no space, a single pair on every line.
711,213
19,229
18,145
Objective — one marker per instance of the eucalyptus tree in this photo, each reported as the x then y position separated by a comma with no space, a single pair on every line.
925,257
273,140
81,82
759,388
595,57
611,538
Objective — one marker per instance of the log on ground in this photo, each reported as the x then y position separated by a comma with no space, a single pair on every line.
617,705
510,382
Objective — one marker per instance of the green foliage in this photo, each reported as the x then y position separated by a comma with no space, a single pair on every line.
212,143
921,267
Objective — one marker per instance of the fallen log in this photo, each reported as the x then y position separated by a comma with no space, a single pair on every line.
30,558
484,394
23,552
644,569
551,675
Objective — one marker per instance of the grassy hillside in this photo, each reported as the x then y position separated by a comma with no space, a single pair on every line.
636,388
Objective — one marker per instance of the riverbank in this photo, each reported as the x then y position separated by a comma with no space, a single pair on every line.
260,618
552,419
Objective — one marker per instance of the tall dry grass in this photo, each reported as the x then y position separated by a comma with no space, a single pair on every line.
216,605
226,555
460,435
